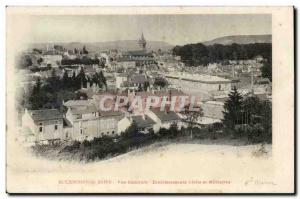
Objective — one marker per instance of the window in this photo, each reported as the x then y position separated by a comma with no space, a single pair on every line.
41,129
55,127
107,133
113,132
81,131
67,135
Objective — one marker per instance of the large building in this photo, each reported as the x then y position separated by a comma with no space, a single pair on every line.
198,84
140,57
135,58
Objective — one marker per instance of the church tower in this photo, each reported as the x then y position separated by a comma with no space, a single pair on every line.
142,42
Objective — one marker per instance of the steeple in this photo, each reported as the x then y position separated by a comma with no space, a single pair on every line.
142,42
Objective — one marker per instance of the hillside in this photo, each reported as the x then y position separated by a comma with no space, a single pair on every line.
240,39
157,162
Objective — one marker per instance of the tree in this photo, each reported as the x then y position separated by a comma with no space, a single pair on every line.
25,61
99,79
81,80
174,130
132,130
266,110
40,60
54,83
66,80
199,54
84,51
251,107
73,80
266,70
233,109
191,118
38,97
159,82
146,86
102,78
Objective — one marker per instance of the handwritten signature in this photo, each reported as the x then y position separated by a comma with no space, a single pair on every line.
253,181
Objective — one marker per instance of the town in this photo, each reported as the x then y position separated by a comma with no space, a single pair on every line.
60,90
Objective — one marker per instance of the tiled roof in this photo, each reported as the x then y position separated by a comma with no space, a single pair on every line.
137,53
78,103
137,78
46,114
141,122
165,116
110,113
172,92
88,109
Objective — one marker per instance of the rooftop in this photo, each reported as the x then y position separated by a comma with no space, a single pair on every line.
143,122
78,103
215,103
67,123
138,78
198,77
165,116
137,53
110,113
45,114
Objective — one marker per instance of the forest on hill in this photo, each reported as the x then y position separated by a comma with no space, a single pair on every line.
200,54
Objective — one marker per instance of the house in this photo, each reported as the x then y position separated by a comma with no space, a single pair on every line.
125,62
123,124
164,119
144,123
139,80
52,59
258,58
263,81
120,79
140,57
89,122
46,125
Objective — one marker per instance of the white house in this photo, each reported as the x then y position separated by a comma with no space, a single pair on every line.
52,59
46,125
120,79
144,123
123,124
164,119
88,122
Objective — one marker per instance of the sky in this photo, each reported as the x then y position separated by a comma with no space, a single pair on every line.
174,29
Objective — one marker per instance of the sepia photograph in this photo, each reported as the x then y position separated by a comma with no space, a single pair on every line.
149,100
